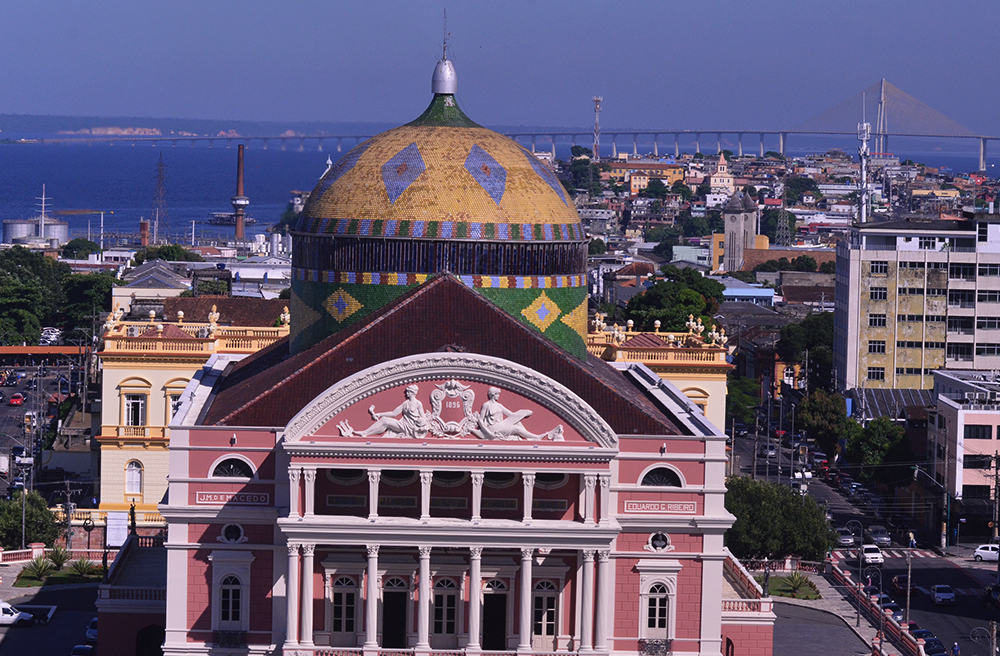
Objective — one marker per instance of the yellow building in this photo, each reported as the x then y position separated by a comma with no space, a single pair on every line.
761,242
695,363
668,173
146,365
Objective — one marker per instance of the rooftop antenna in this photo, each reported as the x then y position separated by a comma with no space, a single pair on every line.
597,127
444,47
864,134
42,217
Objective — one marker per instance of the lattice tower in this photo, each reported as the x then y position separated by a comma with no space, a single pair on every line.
161,218
597,127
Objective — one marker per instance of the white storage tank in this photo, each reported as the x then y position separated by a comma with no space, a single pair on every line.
18,229
56,230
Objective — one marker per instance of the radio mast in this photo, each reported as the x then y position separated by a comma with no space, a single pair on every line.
597,127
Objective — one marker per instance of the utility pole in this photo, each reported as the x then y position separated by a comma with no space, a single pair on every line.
160,215
597,127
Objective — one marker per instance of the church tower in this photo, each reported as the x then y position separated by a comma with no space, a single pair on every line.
740,217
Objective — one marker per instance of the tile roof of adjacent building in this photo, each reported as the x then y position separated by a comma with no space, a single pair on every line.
807,294
169,331
232,311
269,388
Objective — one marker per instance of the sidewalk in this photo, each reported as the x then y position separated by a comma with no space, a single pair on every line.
837,602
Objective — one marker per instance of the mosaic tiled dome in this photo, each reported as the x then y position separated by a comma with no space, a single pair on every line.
440,193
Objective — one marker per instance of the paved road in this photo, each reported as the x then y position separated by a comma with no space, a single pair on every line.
797,626
76,607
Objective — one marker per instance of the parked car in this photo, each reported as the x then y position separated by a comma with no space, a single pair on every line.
740,430
893,607
846,537
879,536
986,552
880,598
11,615
872,555
934,647
83,650
942,594
922,634
901,583
767,451
16,399
92,632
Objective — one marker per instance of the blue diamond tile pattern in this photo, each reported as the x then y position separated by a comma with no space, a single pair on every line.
343,165
545,174
402,170
487,172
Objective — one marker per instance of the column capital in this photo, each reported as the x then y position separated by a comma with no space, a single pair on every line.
308,549
528,479
478,478
605,480
374,475
426,477
527,553
425,552
590,480
294,474
372,550
588,555
293,548
309,474
603,555
476,552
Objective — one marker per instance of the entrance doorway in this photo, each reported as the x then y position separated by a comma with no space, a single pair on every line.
495,616
394,595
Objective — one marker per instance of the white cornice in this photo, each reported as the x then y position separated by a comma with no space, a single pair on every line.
435,449
463,366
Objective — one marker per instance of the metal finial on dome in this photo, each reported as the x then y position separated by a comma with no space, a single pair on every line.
444,81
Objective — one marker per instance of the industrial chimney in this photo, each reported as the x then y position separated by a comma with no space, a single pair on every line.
143,233
239,201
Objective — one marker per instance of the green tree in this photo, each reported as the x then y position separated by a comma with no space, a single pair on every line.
289,217
170,253
678,187
804,263
597,247
581,151
87,295
693,226
703,190
796,187
750,190
773,154
823,416
655,189
769,223
774,521
828,267
815,335
39,522
79,249
879,448
285,294
30,274
742,394
682,292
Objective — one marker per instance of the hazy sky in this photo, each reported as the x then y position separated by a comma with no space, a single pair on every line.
667,64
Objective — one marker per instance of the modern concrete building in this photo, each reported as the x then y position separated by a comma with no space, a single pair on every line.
914,295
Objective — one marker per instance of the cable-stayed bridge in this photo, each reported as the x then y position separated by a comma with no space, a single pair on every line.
895,114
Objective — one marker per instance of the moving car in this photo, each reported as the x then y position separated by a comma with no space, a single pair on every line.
986,552
934,647
11,615
922,634
942,594
893,607
846,537
872,555
767,451
92,632
901,583
16,399
879,536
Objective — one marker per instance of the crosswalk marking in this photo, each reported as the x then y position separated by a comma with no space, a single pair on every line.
851,554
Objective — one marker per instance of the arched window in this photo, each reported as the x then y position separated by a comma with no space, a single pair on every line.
445,607
230,602
657,608
394,583
661,477
495,585
233,468
133,477
344,599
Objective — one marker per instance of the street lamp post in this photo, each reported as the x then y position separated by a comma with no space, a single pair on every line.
851,527
869,572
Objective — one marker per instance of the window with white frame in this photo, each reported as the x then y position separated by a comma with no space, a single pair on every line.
230,590
544,609
658,598
344,605
135,410
230,603
133,477
657,607
445,607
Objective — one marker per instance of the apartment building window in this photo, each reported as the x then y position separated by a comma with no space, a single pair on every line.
982,231
962,272
911,291
934,345
978,432
911,318
961,352
975,491
987,349
876,321
988,323
908,344
960,325
878,294
937,265
908,371
989,270
876,346
935,318
986,297
911,265
927,243
876,373
135,410
977,461
962,298
879,268
937,291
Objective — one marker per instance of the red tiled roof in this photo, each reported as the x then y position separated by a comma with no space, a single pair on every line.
232,311
169,332
645,340
635,269
269,387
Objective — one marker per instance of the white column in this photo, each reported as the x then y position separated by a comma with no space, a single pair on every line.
477,495
371,599
310,477
424,601
524,639
587,602
475,595
426,477
292,595
589,483
308,550
374,475
529,494
606,512
604,598
293,491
